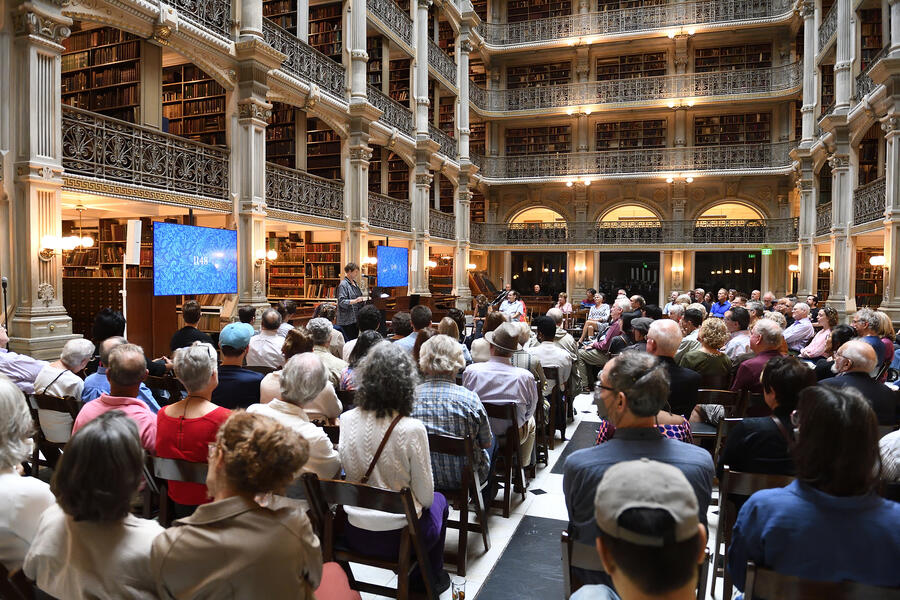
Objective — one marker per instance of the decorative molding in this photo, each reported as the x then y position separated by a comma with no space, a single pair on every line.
424,179
254,109
807,9
30,23
363,154
465,46
46,294
839,161
890,124
258,289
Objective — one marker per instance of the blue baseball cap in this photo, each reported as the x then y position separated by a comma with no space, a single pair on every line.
236,335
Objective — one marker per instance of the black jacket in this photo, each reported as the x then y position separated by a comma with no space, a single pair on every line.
683,386
879,396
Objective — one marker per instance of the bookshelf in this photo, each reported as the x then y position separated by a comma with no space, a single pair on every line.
447,115
101,72
477,138
823,279
750,128
868,158
282,12
651,64
870,41
398,80
325,30
323,150
733,58
323,269
286,274
538,140
193,105
446,38
440,278
869,279
798,120
281,135
398,178
373,67
476,207
538,75
375,169
480,7
605,5
529,10
631,134
446,195
827,87
477,72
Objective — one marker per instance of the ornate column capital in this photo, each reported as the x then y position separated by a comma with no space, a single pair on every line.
424,179
252,108
424,4
839,161
807,9
890,124
361,153
47,28
465,44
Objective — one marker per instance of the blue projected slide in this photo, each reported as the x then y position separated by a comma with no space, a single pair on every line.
193,260
393,266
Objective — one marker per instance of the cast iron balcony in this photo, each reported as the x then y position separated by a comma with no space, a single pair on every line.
394,114
823,218
868,202
828,27
864,83
443,64
441,224
209,14
392,18
449,147
298,192
389,213
305,62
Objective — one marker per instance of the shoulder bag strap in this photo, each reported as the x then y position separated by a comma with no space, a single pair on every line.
784,432
387,434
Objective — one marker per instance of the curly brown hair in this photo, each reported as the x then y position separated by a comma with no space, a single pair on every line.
297,341
259,454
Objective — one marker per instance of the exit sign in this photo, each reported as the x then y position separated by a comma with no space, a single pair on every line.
766,251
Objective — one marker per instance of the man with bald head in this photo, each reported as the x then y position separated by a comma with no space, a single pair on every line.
662,341
855,362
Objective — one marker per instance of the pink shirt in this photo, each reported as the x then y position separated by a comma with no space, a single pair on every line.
816,347
133,408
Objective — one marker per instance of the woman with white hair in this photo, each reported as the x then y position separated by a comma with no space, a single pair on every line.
185,429
22,499
59,379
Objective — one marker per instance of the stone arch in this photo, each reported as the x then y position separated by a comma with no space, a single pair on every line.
753,208
527,203
537,213
639,210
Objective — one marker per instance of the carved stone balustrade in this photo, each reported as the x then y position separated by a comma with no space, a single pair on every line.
868,202
828,27
393,17
441,224
389,213
442,63
305,62
823,218
209,14
299,192
449,147
393,113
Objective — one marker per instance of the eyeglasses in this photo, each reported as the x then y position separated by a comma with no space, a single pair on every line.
606,387
795,418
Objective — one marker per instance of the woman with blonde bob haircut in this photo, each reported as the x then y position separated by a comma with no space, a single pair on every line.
708,360
449,327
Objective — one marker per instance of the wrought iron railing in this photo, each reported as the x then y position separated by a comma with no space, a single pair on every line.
827,109
864,83
211,14
868,202
626,20
449,147
299,192
305,62
650,231
114,150
477,160
442,63
645,160
828,27
393,17
393,113
441,224
823,218
641,89
389,213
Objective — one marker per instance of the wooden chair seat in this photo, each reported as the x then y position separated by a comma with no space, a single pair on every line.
557,407
732,402
508,469
766,584
51,450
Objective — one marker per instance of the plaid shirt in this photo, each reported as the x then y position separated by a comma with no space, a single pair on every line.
449,409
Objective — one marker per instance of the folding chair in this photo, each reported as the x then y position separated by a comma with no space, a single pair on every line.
165,383
715,382
557,407
766,584
174,469
722,431
541,439
15,586
508,453
741,484
51,450
325,493
730,401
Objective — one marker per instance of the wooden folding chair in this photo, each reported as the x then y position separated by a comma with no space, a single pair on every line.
541,439
260,369
469,491
740,484
174,469
508,454
557,407
722,431
51,450
165,383
325,493
754,405
730,401
15,586
715,382
766,584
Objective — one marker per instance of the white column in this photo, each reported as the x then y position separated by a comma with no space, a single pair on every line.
842,244
464,47
895,26
421,68
461,258
810,39
419,216
807,229
843,57
891,305
357,47
251,18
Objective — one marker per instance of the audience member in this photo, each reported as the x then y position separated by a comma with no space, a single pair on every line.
265,347
839,335
690,328
303,378
563,338
522,359
97,384
287,309
401,326
778,318
21,369
349,297
459,317
513,307
385,398
589,299
238,387
247,314
328,310
598,313
481,349
60,378
827,318
889,446
737,322
639,329
563,305
185,429
420,317
801,331
672,298
662,341
676,312
765,341
448,326
756,310
187,335
365,341
755,296
721,305
237,546
813,303
321,329
768,301
479,315
126,370
549,353
598,352
855,362
828,525
885,330
425,334
785,306
88,544
708,360
652,312
22,499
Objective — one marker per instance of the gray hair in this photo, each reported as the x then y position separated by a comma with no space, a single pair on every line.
271,319
624,304
107,346
556,315
302,378
777,317
643,379
683,299
756,307
320,328
667,336
76,353
699,307
441,355
127,365
195,365
868,316
676,309
386,381
861,354
802,306
17,426
769,332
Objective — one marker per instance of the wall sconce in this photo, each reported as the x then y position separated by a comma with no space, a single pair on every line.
51,245
793,268
680,103
681,31
370,260
877,261
262,256
687,179
584,182
750,271
824,265
471,267
677,269
580,268
430,264
584,112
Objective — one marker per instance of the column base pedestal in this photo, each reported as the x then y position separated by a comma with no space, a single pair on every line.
845,308
40,336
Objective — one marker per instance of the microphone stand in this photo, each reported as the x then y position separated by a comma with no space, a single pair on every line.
5,284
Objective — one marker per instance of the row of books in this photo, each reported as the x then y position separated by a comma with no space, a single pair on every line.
320,291
115,97
324,247
80,258
96,37
117,53
200,125
323,271
113,75
183,73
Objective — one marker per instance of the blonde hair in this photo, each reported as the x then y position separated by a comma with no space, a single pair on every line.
441,354
776,316
448,326
885,328
713,333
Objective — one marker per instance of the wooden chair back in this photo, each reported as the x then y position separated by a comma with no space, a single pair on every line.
260,369
165,383
333,432
15,586
51,450
557,406
174,469
722,431
754,405
68,404
731,401
508,454
766,584
715,382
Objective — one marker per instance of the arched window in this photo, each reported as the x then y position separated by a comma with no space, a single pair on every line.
538,215
629,212
629,224
730,211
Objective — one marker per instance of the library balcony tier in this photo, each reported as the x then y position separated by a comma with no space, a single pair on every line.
640,21
823,218
305,62
389,213
392,19
297,192
393,114
441,224
864,83
441,64
102,148
714,86
828,28
449,147
211,14
726,159
781,233
868,202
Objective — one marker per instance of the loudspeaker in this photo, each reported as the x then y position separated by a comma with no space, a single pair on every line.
133,242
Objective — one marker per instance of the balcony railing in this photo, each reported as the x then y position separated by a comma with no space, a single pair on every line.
449,147
828,27
393,17
823,218
640,89
444,65
211,14
642,161
106,148
393,113
305,62
651,231
389,213
629,20
868,202
299,192
864,83
441,224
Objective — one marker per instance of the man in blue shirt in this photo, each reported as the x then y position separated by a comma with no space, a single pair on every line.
238,387
420,317
96,384
722,306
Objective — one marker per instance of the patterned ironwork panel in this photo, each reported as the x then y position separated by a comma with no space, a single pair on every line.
305,62
394,113
393,17
476,232
449,147
823,218
864,83
441,224
868,202
299,192
442,63
714,231
389,213
106,148
211,14
828,27
630,232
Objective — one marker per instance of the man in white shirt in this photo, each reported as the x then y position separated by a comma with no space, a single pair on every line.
798,333
550,354
737,321
286,308
265,347
512,307
672,297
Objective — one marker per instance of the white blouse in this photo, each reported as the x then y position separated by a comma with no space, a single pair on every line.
22,501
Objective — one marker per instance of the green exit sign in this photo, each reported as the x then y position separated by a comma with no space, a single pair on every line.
766,251
751,256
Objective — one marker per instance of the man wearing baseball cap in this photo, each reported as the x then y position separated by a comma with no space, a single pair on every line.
650,538
238,387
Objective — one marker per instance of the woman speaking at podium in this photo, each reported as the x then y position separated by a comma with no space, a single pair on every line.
349,298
